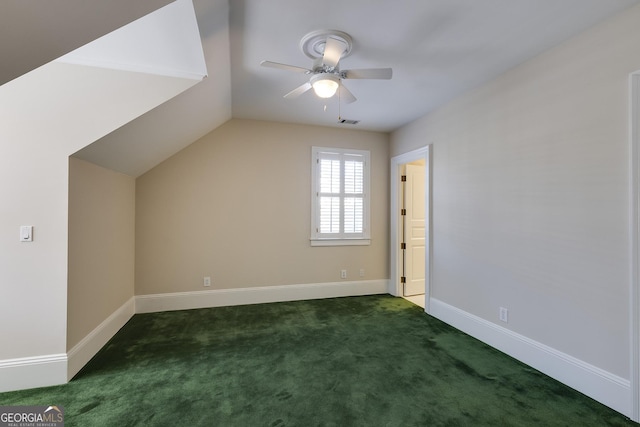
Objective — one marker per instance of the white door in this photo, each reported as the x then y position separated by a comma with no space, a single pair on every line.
414,230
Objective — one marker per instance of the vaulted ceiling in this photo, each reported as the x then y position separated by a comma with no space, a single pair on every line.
438,49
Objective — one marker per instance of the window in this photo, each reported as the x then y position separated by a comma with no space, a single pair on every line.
340,197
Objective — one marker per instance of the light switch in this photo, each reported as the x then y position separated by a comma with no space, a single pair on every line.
26,233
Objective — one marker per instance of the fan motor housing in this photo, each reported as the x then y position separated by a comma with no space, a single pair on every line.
313,43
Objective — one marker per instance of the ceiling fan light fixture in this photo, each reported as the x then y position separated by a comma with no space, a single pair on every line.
325,85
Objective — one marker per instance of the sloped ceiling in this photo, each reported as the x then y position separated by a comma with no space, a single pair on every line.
155,136
437,48
34,32
67,103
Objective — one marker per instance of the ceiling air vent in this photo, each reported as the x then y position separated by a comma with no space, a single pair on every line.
349,122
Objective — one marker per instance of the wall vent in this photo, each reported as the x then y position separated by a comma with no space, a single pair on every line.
349,122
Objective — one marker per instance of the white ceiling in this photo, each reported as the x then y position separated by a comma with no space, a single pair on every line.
438,49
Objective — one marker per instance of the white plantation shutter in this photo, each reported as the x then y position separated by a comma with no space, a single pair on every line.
329,214
329,195
340,204
353,212
354,193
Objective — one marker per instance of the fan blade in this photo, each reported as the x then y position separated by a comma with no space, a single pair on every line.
299,90
280,66
346,95
333,50
368,73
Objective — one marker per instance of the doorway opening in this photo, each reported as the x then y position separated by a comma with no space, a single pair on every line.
412,237
410,227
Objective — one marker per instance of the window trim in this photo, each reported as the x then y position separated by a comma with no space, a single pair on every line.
317,239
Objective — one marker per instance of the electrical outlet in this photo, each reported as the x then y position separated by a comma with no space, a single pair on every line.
362,272
343,274
504,314
207,281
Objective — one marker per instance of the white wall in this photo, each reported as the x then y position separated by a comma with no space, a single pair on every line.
531,196
47,115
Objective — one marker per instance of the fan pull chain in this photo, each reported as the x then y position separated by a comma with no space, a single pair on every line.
339,112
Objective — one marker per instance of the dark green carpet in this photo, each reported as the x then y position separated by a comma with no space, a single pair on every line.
365,361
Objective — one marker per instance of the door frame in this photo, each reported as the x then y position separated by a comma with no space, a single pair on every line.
634,230
395,287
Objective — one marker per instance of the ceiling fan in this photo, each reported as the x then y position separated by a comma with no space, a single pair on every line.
326,48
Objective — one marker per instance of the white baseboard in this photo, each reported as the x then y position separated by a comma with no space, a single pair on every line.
82,352
603,386
257,295
32,372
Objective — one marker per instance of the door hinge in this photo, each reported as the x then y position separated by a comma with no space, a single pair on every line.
403,178
403,246
403,211
403,279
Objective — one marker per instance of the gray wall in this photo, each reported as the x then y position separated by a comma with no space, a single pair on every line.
531,195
